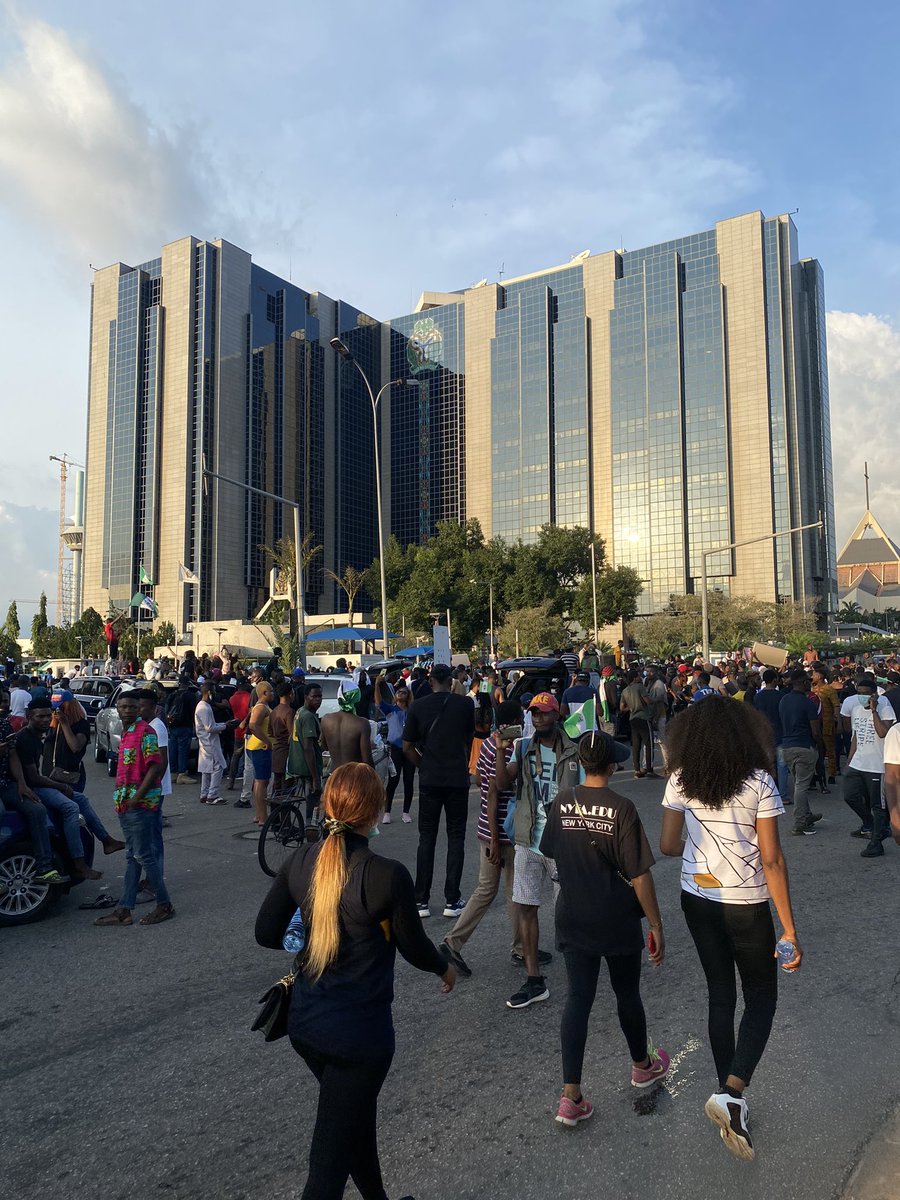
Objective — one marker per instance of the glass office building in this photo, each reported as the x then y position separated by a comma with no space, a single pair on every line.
201,356
674,399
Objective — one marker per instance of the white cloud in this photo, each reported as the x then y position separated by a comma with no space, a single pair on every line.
80,159
864,385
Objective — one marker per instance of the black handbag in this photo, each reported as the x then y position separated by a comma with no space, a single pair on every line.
272,1019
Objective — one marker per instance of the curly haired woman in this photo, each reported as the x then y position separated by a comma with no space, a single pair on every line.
721,757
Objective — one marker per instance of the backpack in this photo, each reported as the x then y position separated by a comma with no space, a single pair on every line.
509,821
178,709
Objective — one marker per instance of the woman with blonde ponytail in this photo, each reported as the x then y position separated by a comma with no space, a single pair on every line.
358,909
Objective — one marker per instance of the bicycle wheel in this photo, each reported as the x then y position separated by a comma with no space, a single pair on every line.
283,832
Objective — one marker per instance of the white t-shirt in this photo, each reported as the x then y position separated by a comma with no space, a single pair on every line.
721,858
869,756
892,745
162,737
19,699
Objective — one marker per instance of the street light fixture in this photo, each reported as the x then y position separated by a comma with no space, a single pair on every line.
766,537
340,347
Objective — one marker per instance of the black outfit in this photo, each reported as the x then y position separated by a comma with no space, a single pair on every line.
597,913
441,726
742,936
341,1025
58,752
30,748
407,771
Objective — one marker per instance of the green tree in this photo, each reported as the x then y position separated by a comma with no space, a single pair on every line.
9,648
850,613
618,590
11,626
534,629
657,636
552,568
41,639
351,583
284,558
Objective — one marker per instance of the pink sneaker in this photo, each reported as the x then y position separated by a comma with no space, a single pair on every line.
407,819
571,1113
642,1077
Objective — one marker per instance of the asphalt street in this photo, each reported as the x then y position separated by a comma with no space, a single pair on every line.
128,1068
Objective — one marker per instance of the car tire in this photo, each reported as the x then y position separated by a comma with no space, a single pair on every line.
99,752
23,901
112,763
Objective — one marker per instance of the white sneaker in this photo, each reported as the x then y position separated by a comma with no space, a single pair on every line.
386,819
453,910
407,819
424,911
733,1119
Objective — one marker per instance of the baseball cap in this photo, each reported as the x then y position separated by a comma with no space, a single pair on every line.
298,673
582,674
682,668
60,697
544,702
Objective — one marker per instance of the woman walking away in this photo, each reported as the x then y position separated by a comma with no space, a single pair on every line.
358,909
721,758
603,861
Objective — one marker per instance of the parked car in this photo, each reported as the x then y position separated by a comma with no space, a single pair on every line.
108,727
330,685
22,898
532,675
93,692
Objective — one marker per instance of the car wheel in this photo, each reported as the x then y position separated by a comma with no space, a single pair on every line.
111,765
22,898
99,752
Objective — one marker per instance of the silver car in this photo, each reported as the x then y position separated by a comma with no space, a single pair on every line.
108,726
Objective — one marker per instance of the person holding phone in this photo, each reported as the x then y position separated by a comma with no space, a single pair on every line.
721,794
867,717
603,859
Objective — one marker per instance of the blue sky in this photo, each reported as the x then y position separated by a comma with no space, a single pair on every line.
397,147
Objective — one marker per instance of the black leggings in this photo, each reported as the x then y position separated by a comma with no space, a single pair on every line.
344,1143
742,936
641,737
407,770
583,971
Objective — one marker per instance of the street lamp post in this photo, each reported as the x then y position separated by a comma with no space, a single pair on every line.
298,562
704,598
341,348
594,584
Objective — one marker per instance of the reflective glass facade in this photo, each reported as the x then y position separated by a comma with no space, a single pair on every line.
427,436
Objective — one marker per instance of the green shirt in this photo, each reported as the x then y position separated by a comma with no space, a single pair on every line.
306,725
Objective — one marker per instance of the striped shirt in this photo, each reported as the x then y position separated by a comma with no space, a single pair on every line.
487,769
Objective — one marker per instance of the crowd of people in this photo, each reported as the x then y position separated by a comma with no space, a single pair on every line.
737,744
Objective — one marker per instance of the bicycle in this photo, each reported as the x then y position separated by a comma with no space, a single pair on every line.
286,829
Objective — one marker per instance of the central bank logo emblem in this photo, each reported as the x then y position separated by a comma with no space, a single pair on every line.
425,348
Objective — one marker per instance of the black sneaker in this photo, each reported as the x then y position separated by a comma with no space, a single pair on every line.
241,804
861,833
813,818
456,958
453,910
544,957
804,831
530,992
873,850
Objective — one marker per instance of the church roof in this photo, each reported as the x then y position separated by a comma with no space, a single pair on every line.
868,544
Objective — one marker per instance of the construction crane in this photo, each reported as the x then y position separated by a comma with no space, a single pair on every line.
63,576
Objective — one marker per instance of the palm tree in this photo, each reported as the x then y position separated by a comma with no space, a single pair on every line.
284,559
351,582
850,613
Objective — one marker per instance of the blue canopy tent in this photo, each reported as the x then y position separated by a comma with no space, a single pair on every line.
416,652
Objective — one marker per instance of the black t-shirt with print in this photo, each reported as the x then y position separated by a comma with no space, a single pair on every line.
597,911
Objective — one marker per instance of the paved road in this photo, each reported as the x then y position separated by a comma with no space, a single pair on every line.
127,1067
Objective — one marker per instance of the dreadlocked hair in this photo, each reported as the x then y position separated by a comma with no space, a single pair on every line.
353,798
715,745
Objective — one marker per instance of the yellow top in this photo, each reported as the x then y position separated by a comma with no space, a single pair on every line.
253,742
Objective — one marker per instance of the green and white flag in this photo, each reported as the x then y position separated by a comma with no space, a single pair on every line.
582,721
143,577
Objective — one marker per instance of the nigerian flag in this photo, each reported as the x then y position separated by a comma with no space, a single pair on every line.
143,577
582,721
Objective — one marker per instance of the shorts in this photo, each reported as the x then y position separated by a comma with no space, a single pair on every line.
532,878
262,764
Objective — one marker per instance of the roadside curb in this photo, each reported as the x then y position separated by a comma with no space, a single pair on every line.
875,1175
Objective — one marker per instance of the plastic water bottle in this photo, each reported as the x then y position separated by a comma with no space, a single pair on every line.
295,935
785,951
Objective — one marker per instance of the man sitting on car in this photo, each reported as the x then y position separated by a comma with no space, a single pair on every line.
17,796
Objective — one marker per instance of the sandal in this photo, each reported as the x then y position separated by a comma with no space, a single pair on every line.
120,917
165,912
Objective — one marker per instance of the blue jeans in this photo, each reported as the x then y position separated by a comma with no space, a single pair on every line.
91,820
140,828
69,812
179,749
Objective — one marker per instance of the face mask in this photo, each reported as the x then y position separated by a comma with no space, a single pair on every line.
374,832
